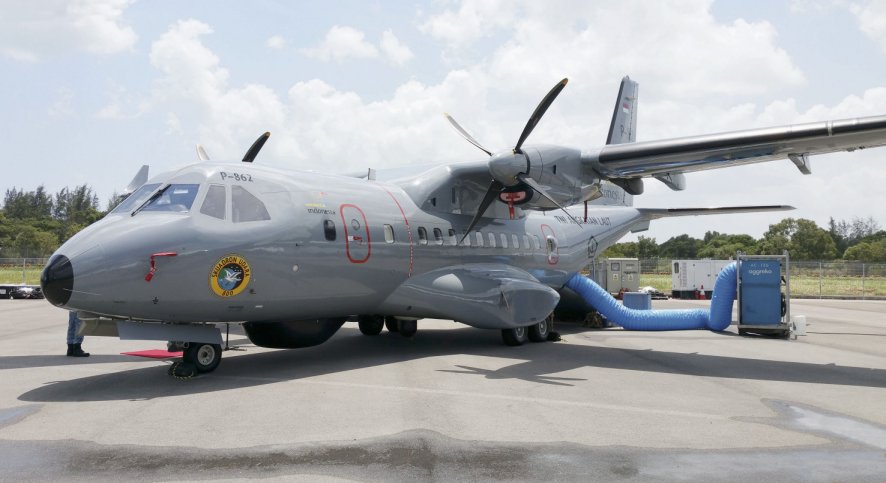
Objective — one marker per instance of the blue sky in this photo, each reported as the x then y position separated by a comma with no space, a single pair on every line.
91,90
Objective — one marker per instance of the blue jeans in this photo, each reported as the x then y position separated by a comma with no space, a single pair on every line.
74,324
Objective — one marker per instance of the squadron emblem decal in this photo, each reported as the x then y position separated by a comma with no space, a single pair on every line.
229,276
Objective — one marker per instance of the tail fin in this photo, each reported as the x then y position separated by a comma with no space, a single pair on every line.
623,128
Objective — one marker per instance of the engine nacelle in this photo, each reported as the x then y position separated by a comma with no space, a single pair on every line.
558,169
292,334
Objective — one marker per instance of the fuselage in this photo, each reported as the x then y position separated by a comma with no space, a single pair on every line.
240,242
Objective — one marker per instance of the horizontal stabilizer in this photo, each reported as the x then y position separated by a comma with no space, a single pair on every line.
656,213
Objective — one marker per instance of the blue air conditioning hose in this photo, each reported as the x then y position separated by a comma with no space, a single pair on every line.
719,317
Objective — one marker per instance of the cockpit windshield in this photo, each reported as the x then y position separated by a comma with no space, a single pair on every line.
176,197
135,200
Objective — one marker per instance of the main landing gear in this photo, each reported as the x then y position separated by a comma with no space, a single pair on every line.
539,332
373,324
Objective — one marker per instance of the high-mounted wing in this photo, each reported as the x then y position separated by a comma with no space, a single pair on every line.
682,155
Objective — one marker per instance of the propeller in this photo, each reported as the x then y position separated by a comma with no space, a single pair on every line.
256,147
507,168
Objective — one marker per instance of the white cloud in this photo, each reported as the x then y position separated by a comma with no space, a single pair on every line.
474,19
276,42
871,17
393,49
32,31
340,43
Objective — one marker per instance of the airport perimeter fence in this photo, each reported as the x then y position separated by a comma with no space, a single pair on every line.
809,279
14,271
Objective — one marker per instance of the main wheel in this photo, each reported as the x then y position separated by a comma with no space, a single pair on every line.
391,324
205,357
539,332
371,324
407,328
515,336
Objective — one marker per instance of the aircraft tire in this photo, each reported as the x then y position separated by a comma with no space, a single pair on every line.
205,357
407,328
371,324
539,332
391,324
514,337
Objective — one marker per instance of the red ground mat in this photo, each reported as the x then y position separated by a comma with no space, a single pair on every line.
154,354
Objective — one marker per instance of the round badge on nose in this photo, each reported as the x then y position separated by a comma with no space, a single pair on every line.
229,276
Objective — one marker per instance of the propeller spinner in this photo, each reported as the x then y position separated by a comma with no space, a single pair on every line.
511,167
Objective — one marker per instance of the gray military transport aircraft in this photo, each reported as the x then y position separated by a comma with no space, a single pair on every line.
292,255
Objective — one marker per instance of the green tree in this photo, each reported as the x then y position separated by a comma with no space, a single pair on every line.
621,250
683,246
803,239
722,246
873,251
646,247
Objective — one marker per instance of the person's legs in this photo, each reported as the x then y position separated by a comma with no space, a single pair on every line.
74,347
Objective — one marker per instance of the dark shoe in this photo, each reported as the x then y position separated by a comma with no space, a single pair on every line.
70,350
77,351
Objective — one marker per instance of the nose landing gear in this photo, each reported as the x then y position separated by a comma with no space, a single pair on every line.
198,357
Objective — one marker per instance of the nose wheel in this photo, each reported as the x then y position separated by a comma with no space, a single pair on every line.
202,356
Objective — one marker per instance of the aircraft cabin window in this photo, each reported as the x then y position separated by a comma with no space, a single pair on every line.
479,239
515,242
175,198
137,197
467,241
526,242
389,234
246,207
492,240
438,236
504,240
329,230
422,236
537,242
452,239
214,203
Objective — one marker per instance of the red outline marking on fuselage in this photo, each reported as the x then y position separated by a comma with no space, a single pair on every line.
408,230
341,212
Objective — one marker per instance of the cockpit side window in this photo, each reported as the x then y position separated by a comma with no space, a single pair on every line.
214,203
246,207
137,197
175,198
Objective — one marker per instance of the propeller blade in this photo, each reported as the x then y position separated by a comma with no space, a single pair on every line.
539,112
201,153
465,134
256,147
494,189
538,189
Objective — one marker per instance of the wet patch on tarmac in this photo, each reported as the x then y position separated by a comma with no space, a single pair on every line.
421,455
10,416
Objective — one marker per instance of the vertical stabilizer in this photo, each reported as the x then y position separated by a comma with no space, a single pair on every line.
623,128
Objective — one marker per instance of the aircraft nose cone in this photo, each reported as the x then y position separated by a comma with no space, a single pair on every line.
57,280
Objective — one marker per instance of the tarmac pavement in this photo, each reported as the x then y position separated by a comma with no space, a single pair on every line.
455,404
